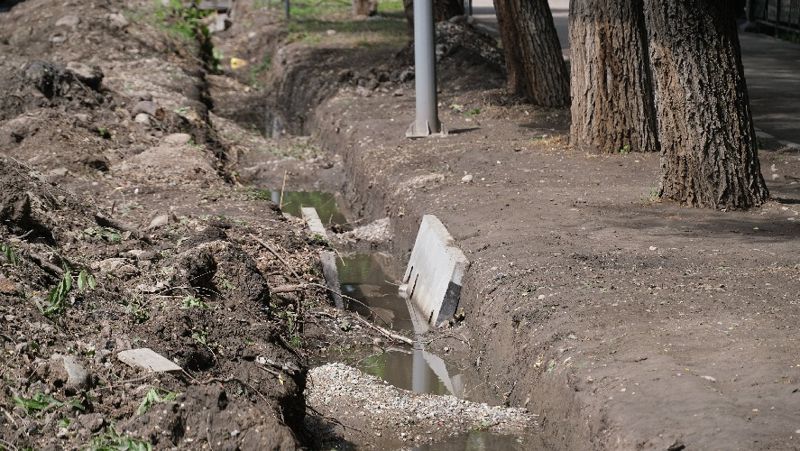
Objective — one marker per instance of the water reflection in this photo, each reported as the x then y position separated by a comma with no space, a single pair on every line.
478,441
363,278
325,203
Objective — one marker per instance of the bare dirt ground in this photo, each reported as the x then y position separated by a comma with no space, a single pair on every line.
624,322
112,169
620,321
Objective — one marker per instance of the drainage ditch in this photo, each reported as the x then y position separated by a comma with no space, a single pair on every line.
369,281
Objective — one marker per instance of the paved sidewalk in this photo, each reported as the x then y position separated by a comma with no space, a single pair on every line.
771,66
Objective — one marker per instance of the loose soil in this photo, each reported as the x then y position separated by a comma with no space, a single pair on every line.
622,322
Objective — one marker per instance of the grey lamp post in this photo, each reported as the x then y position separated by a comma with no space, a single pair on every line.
427,116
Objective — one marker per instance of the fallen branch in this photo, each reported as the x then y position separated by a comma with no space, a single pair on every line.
385,332
288,288
275,253
105,221
46,265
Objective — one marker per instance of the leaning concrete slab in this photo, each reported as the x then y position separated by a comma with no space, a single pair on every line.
148,359
435,272
314,223
327,258
331,274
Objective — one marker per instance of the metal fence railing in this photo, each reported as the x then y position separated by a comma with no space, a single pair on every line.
780,14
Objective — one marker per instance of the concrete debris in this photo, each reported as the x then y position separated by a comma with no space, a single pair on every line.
148,359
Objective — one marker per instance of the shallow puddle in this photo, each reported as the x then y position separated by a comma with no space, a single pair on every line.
478,441
418,371
363,278
325,203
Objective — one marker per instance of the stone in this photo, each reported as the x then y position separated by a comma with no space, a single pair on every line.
7,286
158,221
435,272
178,139
94,422
142,118
145,106
117,20
69,21
467,178
60,171
67,370
110,265
148,359
91,76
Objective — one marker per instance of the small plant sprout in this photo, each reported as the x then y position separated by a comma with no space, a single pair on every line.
111,440
191,302
155,396
37,404
10,255
57,297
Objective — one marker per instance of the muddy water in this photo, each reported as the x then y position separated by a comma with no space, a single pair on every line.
479,441
363,278
325,203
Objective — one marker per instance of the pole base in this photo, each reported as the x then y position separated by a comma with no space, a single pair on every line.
424,132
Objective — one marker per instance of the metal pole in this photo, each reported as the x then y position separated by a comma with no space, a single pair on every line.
427,116
286,8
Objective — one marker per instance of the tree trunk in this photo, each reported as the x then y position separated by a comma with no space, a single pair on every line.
442,10
612,98
705,127
536,68
365,7
446,9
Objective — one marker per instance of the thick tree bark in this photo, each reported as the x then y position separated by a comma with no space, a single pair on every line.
365,7
442,10
536,68
705,127
446,9
612,97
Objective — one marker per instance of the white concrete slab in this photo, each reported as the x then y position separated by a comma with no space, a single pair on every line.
148,359
314,222
435,272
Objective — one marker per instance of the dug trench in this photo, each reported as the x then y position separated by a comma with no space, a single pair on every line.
621,321
129,222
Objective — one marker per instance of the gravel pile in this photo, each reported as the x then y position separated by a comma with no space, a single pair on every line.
371,406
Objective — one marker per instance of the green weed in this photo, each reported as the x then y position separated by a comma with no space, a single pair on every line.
200,336
155,396
111,440
181,20
10,255
190,302
138,311
57,297
103,132
37,404
104,233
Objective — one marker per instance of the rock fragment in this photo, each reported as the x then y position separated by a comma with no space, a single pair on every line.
148,359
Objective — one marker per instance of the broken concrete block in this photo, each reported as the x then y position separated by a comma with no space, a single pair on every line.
314,223
67,370
435,272
148,359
